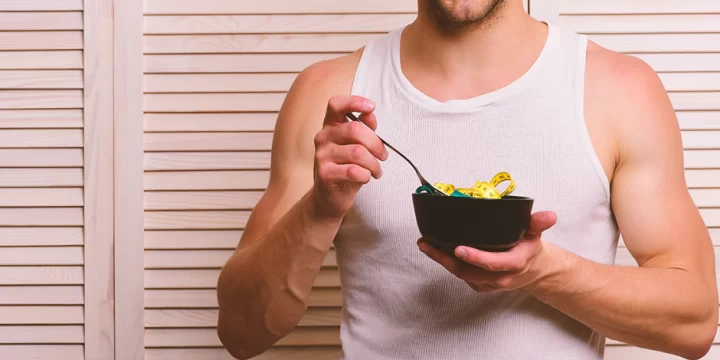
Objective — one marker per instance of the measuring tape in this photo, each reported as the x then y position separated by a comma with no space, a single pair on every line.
481,189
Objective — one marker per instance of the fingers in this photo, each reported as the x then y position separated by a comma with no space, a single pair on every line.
512,261
352,154
340,105
540,222
330,173
357,133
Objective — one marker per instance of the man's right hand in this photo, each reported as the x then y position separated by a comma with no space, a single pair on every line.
346,154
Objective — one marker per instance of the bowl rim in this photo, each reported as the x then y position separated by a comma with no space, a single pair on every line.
506,198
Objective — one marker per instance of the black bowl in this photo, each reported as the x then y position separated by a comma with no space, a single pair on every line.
447,222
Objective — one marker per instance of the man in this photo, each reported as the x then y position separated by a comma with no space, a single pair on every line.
472,88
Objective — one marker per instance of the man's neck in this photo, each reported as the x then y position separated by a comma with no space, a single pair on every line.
473,60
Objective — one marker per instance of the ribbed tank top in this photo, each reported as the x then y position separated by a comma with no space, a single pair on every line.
399,304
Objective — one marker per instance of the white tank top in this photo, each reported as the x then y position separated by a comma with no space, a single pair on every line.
399,304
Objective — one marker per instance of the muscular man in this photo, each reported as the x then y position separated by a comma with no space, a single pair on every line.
469,89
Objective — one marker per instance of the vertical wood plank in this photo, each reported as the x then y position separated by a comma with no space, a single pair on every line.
545,10
98,151
129,245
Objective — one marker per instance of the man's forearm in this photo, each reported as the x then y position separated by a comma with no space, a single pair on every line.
667,310
263,289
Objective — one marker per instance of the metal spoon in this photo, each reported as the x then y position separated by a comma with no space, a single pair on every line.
424,182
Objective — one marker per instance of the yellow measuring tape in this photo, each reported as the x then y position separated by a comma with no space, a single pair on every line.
481,189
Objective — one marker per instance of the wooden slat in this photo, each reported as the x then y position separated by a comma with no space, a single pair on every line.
675,43
41,236
41,275
14,60
701,139
711,217
201,200
207,180
41,79
41,295
274,353
67,138
40,99
699,120
207,160
37,20
276,23
36,197
706,197
72,334
40,5
682,62
208,141
163,299
41,40
290,43
702,159
40,177
626,7
41,216
224,63
29,158
695,100
208,337
197,259
207,279
645,23
214,83
207,318
42,352
192,239
210,122
691,81
72,255
212,102
702,178
16,119
171,220
277,7
43,315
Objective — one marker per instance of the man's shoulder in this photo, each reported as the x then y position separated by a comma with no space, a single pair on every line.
333,76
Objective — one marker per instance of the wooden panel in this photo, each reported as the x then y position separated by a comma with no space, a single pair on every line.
257,24
641,43
72,255
41,60
211,102
10,119
41,40
214,83
208,318
34,236
28,197
706,197
193,239
41,275
711,218
289,43
201,200
638,7
41,315
40,99
701,139
207,141
41,335
41,138
702,159
646,23
40,5
41,216
171,220
208,337
208,161
196,259
275,353
277,7
207,279
42,352
702,178
41,158
319,297
224,63
41,79
209,122
40,177
682,62
695,100
209,180
699,120
691,81
41,295
41,21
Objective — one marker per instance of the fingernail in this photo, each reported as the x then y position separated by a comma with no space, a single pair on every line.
369,105
424,249
385,153
461,253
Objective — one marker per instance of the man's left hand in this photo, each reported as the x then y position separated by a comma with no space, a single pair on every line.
523,265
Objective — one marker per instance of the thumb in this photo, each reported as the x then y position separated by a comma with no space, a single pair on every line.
540,222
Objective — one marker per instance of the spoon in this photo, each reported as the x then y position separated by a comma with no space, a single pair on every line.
424,182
